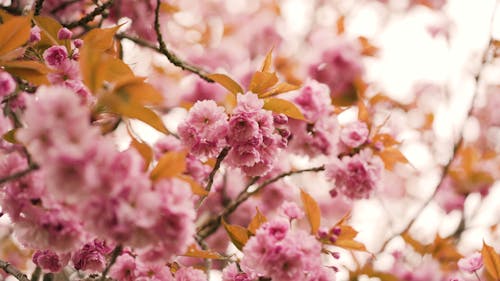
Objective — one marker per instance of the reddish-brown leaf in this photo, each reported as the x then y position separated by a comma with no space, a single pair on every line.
194,252
256,222
238,234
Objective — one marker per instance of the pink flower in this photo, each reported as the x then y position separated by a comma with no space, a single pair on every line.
35,35
64,34
339,67
355,177
354,134
91,257
125,268
281,254
314,100
55,56
292,210
471,263
231,273
50,261
190,274
7,84
204,129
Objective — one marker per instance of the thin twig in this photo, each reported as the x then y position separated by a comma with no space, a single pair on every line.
477,78
211,225
171,56
116,252
211,177
38,7
99,10
10,269
19,174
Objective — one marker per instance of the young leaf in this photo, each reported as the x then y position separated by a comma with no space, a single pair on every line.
50,27
196,188
256,222
135,90
100,38
171,164
491,261
14,33
390,156
279,89
10,136
266,66
143,148
350,245
313,212
31,71
261,81
288,108
227,83
238,234
194,252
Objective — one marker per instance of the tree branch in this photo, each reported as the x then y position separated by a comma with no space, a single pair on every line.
19,174
221,157
116,252
9,269
171,56
211,225
38,7
99,10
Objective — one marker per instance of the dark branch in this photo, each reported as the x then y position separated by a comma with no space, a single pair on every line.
116,252
211,225
221,157
38,7
9,269
99,10
19,174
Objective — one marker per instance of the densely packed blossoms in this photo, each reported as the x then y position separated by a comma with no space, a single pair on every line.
259,159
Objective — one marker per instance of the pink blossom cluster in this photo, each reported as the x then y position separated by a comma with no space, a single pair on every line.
319,134
253,136
283,254
128,268
357,176
85,188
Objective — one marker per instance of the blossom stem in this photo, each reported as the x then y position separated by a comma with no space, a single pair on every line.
9,269
477,276
116,252
99,10
35,276
213,224
171,56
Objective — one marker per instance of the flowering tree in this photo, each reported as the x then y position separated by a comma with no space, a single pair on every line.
182,140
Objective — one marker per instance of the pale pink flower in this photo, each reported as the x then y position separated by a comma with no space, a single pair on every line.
204,129
292,210
125,268
231,273
7,84
355,177
64,34
314,100
35,35
471,263
190,274
354,134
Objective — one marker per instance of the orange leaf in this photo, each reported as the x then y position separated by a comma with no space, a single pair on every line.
491,261
226,82
385,139
391,156
363,114
14,33
135,90
283,106
171,164
341,25
196,188
313,212
194,252
144,149
31,71
350,244
10,136
416,245
238,234
100,38
168,8
368,49
266,66
261,81
279,89
256,222
50,27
